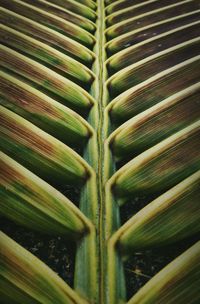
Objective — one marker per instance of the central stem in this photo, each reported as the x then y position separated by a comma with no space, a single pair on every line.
100,137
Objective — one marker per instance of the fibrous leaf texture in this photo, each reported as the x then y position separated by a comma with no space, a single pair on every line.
103,97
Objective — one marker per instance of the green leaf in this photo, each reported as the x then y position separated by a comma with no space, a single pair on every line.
72,95
162,166
47,35
147,32
40,51
43,111
29,280
155,89
68,15
135,10
149,47
157,123
40,152
31,202
178,282
173,216
59,24
152,65
150,17
82,7
118,5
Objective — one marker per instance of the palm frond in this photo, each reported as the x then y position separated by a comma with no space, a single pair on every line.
100,149
28,279
178,281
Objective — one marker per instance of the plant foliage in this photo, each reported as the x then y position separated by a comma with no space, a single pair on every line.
102,96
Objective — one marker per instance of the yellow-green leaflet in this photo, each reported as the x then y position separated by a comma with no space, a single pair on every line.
167,163
47,35
28,279
31,202
157,123
181,275
72,95
59,24
176,213
100,135
48,114
39,151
